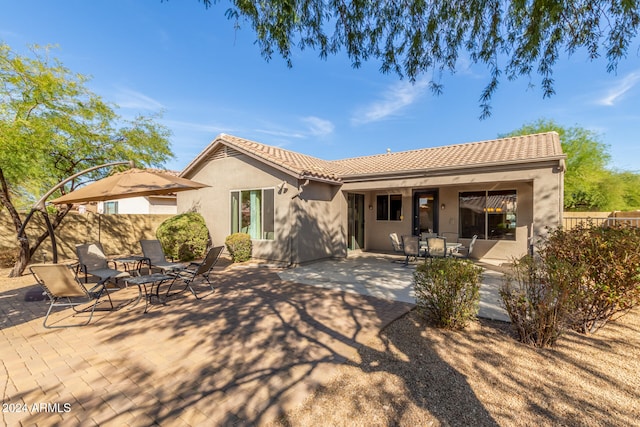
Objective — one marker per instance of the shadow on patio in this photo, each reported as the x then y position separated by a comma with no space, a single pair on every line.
246,354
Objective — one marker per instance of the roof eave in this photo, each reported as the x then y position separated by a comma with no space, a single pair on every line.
220,140
193,165
336,181
447,170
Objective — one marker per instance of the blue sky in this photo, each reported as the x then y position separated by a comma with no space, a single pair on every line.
207,78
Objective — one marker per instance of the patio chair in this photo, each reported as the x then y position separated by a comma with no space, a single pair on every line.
436,247
92,261
466,252
411,248
426,235
193,271
154,254
396,244
59,283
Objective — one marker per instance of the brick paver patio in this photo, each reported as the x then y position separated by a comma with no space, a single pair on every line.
256,347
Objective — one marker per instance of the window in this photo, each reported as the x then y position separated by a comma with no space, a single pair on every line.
252,212
389,207
489,214
110,208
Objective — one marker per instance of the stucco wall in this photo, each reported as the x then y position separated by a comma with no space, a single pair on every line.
540,201
307,215
119,234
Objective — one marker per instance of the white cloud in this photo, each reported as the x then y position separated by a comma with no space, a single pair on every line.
318,126
394,99
281,133
623,86
127,98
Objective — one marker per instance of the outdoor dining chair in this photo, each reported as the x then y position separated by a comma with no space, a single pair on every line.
154,254
436,247
193,271
93,262
411,248
65,290
396,244
466,252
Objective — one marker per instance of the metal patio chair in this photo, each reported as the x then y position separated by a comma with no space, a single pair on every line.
468,250
436,247
396,244
65,290
93,262
154,254
193,271
411,248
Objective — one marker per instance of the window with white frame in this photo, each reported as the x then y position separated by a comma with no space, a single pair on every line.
252,212
488,214
110,208
389,207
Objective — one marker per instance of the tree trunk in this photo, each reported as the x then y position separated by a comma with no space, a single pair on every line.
24,256
27,251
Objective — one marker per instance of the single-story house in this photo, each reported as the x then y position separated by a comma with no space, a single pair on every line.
299,208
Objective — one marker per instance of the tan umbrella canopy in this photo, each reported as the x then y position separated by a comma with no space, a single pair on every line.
131,183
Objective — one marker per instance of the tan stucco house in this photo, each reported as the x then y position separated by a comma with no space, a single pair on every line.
299,208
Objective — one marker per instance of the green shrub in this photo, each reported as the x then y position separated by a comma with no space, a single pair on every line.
239,246
607,261
184,237
448,291
537,297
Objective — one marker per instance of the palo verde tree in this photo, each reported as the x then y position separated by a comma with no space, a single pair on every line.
412,38
52,127
588,184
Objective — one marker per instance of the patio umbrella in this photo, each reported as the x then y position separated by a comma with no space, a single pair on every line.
130,183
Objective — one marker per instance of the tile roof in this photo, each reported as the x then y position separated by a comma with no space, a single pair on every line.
518,149
297,164
512,150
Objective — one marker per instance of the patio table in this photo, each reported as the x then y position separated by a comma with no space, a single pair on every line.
153,280
451,247
131,262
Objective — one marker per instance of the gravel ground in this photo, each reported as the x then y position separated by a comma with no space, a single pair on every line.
416,374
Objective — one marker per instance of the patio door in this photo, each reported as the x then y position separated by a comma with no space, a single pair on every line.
425,212
355,226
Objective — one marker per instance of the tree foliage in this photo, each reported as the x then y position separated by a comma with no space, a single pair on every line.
416,37
52,126
589,184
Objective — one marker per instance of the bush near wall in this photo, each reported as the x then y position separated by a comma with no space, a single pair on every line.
606,283
184,237
536,295
239,246
580,279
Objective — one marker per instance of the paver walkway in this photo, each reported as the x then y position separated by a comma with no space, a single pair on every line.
240,356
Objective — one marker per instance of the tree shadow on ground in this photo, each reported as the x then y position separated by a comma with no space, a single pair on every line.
255,349
259,346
